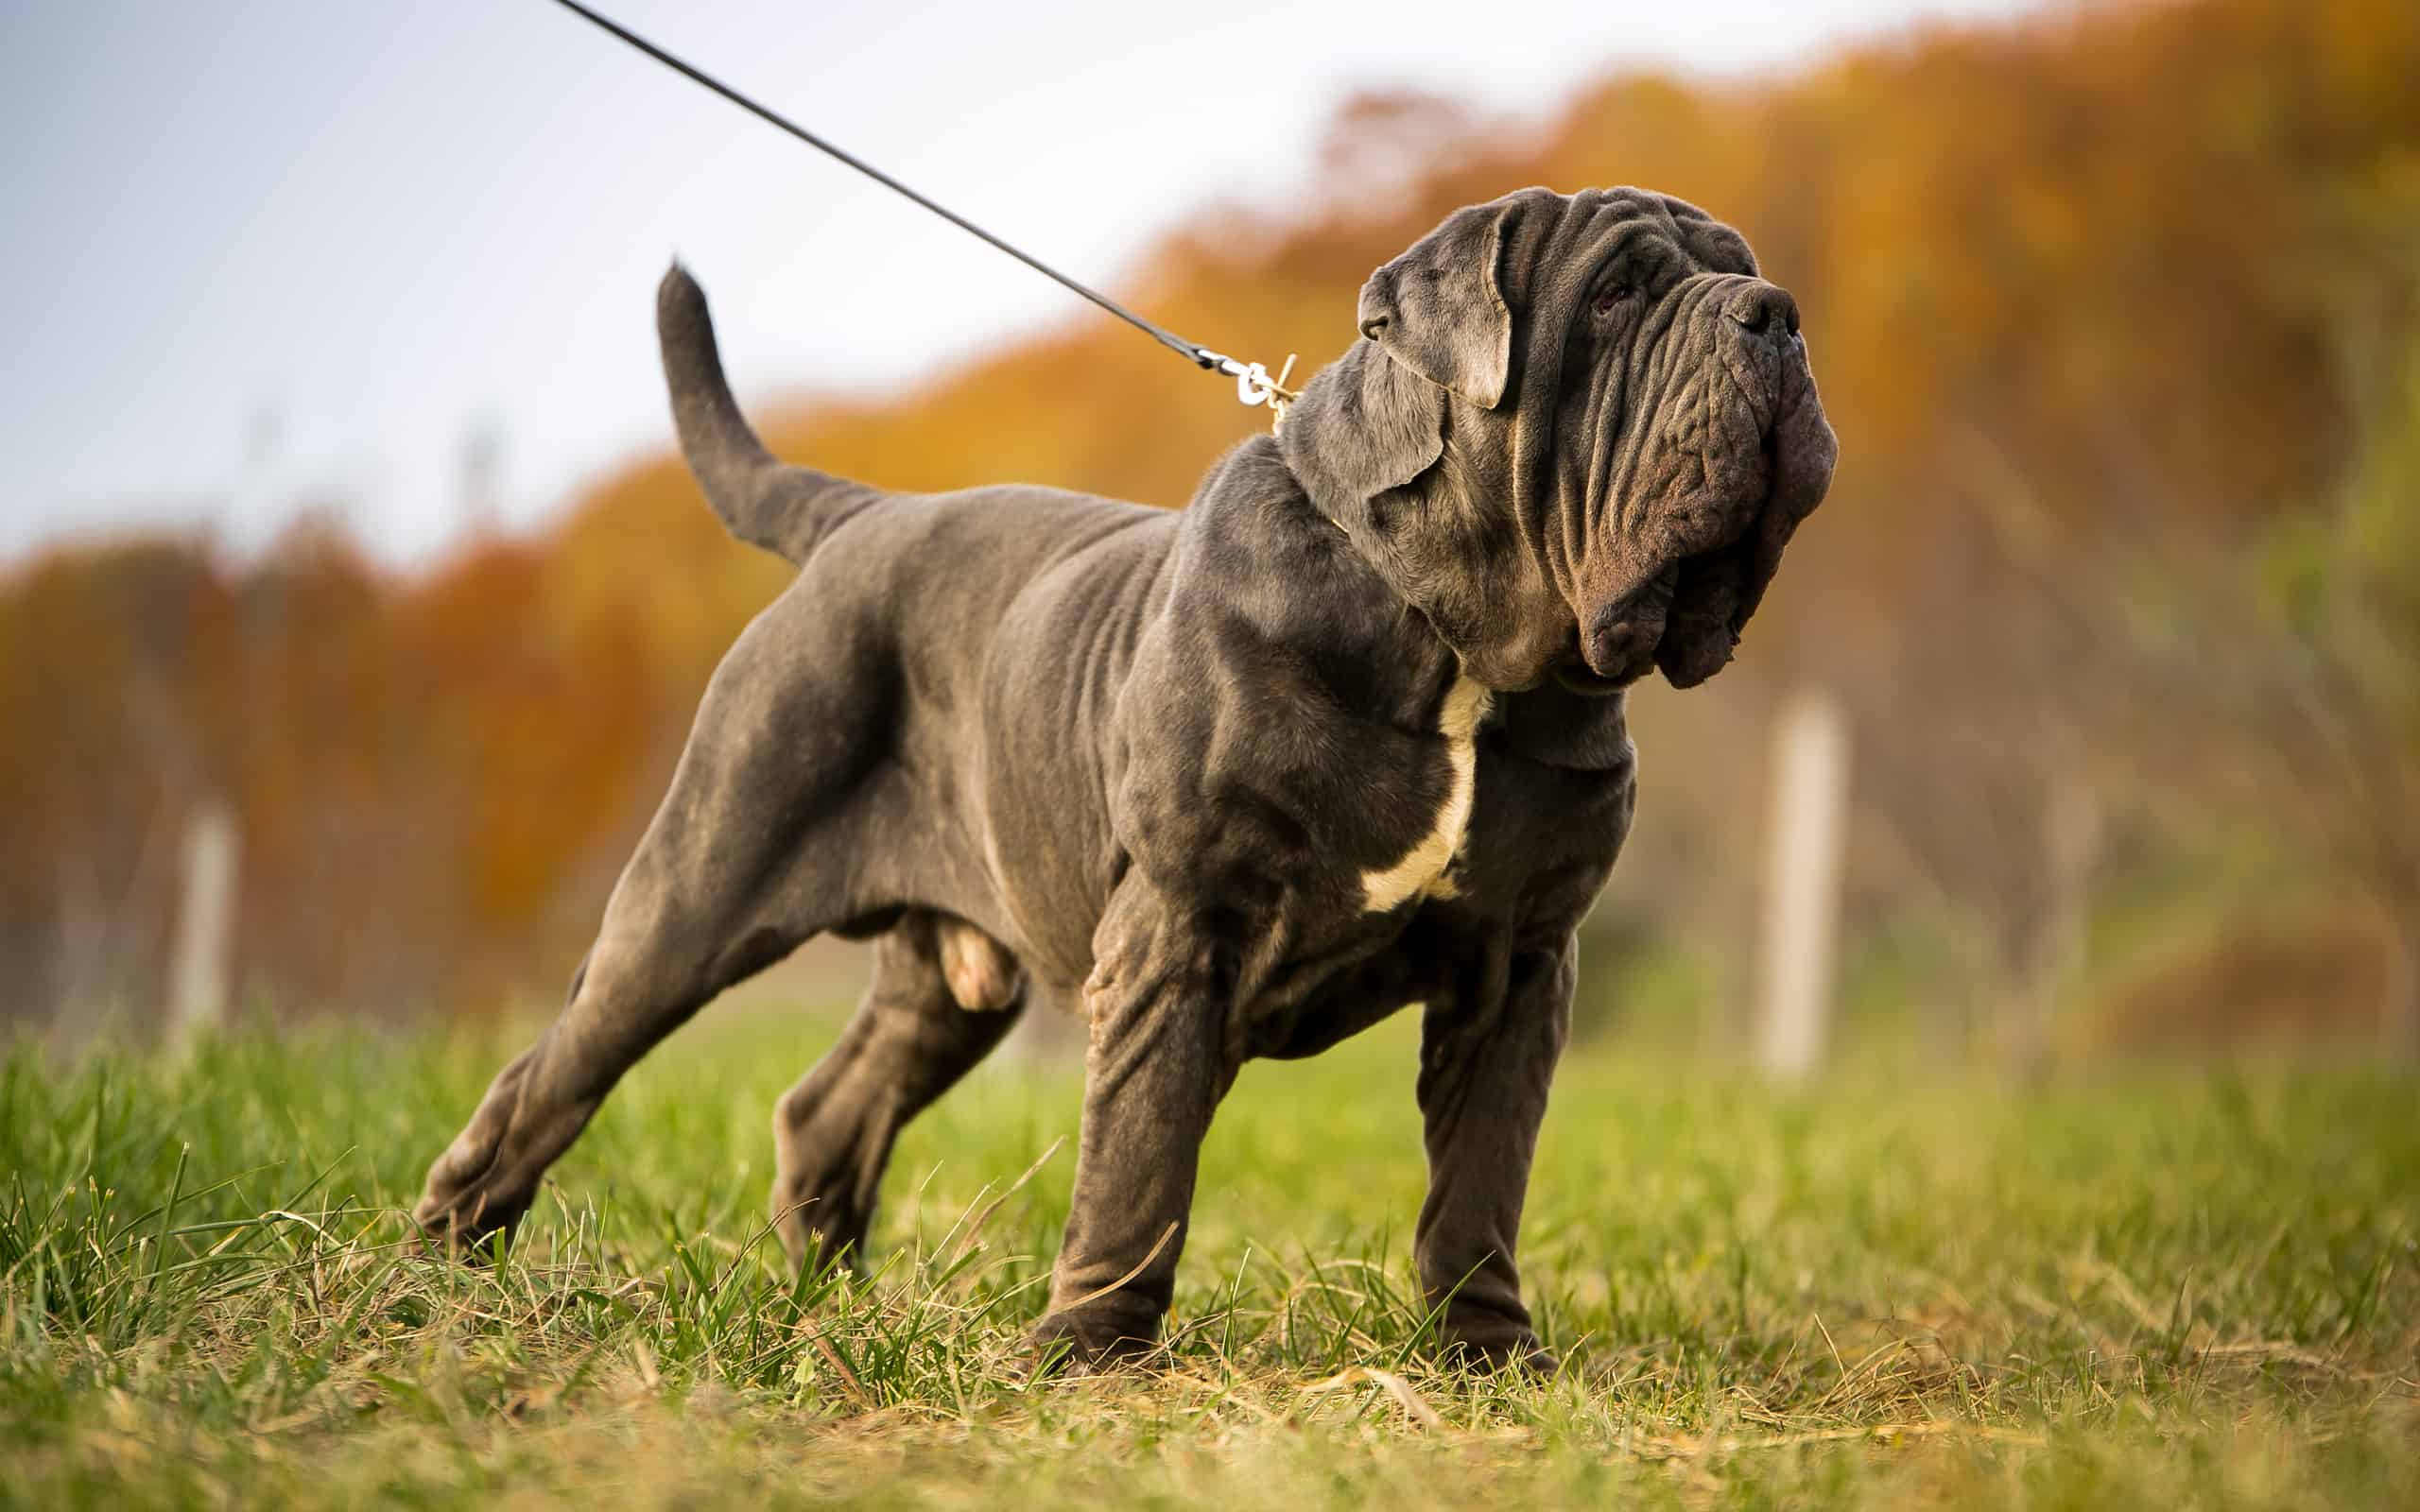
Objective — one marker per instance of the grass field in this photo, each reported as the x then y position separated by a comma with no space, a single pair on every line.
2160,1289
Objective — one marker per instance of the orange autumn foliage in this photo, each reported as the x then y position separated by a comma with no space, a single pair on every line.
2127,258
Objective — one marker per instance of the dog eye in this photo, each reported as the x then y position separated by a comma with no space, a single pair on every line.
1610,297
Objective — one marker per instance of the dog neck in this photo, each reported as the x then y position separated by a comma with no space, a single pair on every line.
1357,431
1368,445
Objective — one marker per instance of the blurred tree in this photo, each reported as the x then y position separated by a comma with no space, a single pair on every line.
2114,308
2285,679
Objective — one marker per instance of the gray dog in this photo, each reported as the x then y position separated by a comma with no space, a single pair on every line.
1346,734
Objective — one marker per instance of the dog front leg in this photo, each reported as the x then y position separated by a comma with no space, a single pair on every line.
1155,1068
1487,1054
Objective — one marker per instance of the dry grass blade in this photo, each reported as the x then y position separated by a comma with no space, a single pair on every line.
848,1378
1140,1266
974,1226
1880,1433
1414,1406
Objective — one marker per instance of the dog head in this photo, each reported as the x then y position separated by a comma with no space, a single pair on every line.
1576,434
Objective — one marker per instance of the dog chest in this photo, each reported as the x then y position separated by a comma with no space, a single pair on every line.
1426,869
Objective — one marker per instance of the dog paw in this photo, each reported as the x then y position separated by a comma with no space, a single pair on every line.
1543,1363
462,1226
465,1201
464,1206
1072,1344
1496,1352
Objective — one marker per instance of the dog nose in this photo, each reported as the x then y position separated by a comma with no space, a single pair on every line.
1763,308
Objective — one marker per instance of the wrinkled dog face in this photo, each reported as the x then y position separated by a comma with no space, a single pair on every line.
1577,435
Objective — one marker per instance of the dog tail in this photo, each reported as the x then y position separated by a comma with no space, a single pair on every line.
765,502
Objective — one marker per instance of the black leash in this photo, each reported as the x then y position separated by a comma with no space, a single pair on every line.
1252,383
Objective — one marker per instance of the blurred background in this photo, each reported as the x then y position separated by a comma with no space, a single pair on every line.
353,606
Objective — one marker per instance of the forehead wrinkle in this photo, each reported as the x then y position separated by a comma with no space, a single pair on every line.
1648,210
1611,238
1575,242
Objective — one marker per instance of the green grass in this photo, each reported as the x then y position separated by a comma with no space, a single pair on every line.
2148,1289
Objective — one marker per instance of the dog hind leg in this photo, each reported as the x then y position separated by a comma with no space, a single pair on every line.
944,996
747,857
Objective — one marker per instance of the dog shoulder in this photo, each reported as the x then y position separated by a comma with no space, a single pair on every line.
1258,562
1282,707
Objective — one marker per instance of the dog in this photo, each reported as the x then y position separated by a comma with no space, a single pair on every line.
1345,735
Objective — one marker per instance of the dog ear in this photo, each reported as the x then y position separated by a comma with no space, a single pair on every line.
1439,308
1435,323
1365,424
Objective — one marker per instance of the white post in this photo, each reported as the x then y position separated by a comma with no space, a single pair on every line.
1802,904
205,924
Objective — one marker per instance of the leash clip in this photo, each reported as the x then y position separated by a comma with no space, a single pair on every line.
1253,386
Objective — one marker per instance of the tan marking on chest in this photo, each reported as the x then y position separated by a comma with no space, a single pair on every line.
1423,871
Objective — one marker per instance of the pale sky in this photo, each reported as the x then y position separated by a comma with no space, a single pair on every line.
265,253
